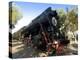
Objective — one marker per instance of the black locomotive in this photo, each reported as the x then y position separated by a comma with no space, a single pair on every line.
44,29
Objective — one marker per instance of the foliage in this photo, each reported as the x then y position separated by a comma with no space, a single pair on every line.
68,20
14,15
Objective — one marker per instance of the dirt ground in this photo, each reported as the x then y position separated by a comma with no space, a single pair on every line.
19,50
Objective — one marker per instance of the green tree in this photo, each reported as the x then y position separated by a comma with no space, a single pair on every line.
62,17
68,19
71,22
14,14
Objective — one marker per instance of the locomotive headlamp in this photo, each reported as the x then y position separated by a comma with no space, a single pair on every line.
55,42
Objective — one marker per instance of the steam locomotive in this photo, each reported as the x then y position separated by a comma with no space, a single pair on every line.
44,29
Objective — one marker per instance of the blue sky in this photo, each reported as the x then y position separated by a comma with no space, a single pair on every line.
32,10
